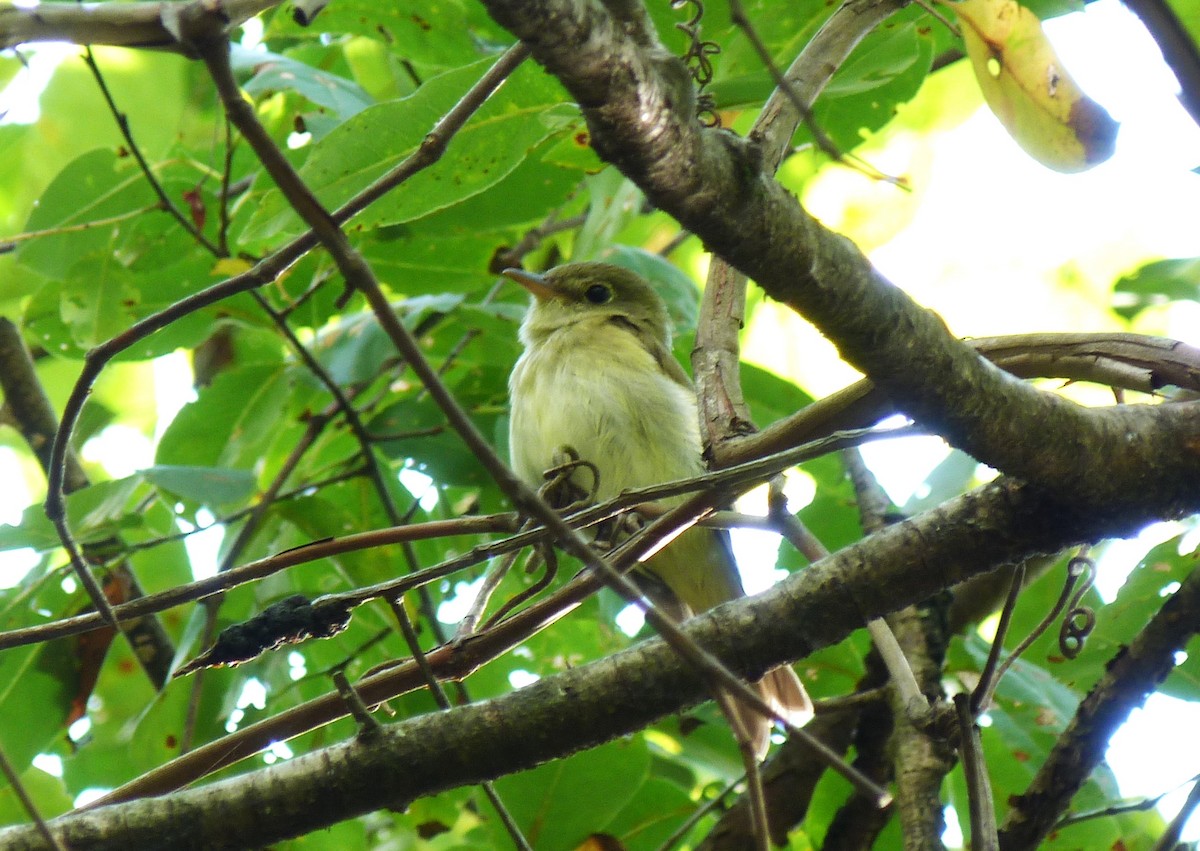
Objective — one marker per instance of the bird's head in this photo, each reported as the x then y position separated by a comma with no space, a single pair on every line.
579,292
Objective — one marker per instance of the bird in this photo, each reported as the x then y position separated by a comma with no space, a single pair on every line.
596,380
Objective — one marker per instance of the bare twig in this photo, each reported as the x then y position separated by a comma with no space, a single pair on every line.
699,813
135,149
979,786
10,242
266,270
1076,568
738,14
988,676
754,784
1170,837
14,780
798,535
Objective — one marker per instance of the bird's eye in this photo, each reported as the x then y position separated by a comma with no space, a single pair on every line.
598,294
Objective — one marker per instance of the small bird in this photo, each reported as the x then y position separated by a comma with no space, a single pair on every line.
597,376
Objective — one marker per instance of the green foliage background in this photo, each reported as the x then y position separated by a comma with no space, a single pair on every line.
366,82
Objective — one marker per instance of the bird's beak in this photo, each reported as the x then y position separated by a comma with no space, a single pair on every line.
541,288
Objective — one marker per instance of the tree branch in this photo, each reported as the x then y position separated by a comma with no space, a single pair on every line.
1124,361
142,24
639,106
1128,680
1177,48
998,523
715,362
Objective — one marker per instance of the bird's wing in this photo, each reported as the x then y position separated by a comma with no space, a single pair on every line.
661,354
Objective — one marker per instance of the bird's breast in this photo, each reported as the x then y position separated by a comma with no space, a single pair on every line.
596,389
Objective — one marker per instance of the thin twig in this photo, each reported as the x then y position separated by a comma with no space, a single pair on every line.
492,579
738,15
1170,837
368,724
987,677
123,125
223,218
30,807
798,535
979,786
983,692
699,813
754,783
443,702
828,705
267,270
10,242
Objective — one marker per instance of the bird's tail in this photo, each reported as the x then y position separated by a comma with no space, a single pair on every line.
782,690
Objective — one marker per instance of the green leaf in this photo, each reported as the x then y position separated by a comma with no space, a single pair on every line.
514,121
39,682
94,513
559,804
614,201
654,814
273,72
106,277
434,35
885,70
236,419
894,52
1157,283
355,349
1188,12
46,792
92,187
770,397
952,476
440,454
832,510
452,249
1149,584
325,516
213,486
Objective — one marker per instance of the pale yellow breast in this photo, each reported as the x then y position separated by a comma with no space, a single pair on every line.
594,387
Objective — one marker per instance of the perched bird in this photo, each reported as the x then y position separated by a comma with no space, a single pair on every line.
597,376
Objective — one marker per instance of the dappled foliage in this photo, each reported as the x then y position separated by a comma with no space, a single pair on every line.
301,423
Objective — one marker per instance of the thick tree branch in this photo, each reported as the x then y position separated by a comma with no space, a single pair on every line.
125,24
26,401
639,106
1177,46
905,563
1128,680
1119,360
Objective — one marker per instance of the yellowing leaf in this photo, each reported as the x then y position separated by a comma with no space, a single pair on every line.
1030,91
228,267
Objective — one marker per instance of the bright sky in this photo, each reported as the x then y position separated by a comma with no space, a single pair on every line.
991,277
